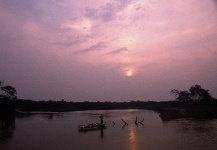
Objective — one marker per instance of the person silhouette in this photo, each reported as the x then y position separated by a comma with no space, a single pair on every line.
101,119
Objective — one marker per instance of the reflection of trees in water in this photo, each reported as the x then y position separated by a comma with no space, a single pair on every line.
102,133
193,134
6,135
7,123
201,126
6,130
51,115
7,116
48,115
194,126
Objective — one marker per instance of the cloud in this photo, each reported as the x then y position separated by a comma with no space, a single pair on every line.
81,25
70,41
107,12
97,47
117,51
91,13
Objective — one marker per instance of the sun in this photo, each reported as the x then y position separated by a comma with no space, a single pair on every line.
129,73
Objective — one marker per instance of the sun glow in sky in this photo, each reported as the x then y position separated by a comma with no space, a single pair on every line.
75,50
129,73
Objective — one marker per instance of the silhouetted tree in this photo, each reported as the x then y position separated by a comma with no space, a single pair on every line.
195,93
8,92
183,96
198,93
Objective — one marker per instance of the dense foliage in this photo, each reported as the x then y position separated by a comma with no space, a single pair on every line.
7,109
195,93
202,105
7,92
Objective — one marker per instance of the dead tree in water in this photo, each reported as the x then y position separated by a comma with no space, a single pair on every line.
124,122
136,121
141,122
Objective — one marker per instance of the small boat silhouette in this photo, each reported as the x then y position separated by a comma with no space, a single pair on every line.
91,127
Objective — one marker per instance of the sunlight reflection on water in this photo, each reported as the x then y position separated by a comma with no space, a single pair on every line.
132,138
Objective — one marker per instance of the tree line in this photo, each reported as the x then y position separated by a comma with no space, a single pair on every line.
9,102
7,109
61,106
194,95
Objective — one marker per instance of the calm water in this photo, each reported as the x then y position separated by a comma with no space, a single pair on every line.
60,132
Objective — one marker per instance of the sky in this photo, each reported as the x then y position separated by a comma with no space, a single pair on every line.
107,50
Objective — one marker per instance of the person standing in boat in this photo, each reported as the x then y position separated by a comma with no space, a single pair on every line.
101,119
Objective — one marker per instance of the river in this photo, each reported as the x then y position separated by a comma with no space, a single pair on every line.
59,131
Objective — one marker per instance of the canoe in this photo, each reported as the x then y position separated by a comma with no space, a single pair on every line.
91,126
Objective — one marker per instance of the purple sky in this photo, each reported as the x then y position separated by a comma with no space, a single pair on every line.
107,50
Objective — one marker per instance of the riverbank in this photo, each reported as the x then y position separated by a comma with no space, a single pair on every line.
7,114
196,111
64,106
168,110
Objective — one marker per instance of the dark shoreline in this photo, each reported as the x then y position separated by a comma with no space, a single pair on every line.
168,110
197,112
63,106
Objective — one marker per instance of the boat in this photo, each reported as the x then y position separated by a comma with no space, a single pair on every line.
91,126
